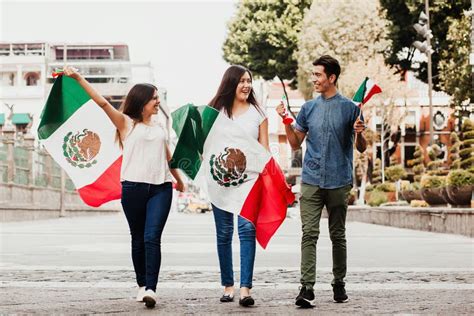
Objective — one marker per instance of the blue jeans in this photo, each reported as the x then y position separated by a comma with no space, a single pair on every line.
146,207
224,231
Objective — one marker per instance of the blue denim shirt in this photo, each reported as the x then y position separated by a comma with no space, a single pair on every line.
329,127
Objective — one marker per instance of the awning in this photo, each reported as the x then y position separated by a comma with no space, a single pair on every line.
2,119
21,118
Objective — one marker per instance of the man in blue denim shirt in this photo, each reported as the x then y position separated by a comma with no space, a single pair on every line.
329,123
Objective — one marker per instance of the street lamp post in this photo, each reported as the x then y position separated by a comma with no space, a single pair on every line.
423,28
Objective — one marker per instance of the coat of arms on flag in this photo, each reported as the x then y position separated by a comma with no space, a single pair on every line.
238,173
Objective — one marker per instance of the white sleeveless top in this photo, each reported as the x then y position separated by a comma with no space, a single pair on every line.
250,121
144,153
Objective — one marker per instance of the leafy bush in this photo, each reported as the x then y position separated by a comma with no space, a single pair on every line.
407,186
431,182
435,166
419,203
466,151
459,178
454,151
395,173
386,187
377,171
376,198
417,163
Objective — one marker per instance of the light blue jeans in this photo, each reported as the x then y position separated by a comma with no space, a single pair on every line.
224,231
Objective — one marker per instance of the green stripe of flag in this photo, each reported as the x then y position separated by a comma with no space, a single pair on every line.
360,94
192,125
65,98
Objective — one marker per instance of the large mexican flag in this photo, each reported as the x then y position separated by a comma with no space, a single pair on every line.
81,139
238,173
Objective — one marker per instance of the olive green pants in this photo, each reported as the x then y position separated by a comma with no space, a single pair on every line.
312,201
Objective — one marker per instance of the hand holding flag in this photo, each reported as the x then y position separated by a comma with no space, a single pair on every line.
359,125
287,120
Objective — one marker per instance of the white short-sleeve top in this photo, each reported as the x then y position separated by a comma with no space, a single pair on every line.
144,153
250,121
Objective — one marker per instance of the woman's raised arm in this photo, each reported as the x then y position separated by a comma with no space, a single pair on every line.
117,117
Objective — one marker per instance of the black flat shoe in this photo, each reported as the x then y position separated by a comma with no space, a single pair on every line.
226,298
246,301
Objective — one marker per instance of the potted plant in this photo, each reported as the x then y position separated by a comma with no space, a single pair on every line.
387,188
411,191
431,189
460,184
376,198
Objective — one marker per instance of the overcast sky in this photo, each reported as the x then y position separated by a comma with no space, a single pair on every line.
182,39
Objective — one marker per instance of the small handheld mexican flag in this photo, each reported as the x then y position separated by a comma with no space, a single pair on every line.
366,90
81,139
238,173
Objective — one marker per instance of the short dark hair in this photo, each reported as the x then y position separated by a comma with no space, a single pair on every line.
330,64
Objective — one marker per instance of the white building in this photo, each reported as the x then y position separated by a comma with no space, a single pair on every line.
26,75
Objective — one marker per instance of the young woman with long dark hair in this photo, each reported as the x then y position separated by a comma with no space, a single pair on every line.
235,97
145,176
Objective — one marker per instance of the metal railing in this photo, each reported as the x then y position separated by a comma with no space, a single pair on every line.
23,163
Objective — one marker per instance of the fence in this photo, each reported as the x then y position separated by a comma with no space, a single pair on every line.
30,182
21,162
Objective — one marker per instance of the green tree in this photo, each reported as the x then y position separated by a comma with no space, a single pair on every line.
455,71
263,37
403,14
353,31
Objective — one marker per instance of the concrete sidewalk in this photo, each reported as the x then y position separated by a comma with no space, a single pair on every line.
82,266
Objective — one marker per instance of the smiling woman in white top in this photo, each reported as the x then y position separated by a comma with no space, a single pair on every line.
236,98
145,176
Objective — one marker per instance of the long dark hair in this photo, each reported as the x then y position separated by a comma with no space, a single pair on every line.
135,101
225,95
137,97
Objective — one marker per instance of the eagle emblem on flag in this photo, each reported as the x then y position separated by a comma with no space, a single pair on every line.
228,168
81,148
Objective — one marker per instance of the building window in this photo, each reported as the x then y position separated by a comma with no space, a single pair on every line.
409,154
7,79
32,78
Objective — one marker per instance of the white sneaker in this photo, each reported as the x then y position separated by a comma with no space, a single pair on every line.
149,298
140,294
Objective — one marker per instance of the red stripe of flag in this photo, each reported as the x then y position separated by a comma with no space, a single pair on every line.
107,187
267,202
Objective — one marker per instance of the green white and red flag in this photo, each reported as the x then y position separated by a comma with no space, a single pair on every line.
366,90
81,139
237,172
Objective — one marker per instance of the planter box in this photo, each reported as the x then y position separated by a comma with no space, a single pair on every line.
460,195
410,195
433,196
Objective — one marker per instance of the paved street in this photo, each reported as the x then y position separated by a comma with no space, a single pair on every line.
82,266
